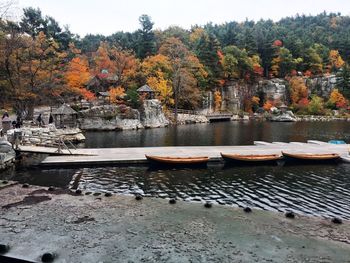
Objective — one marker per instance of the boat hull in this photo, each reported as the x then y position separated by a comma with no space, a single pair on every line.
159,161
238,159
311,158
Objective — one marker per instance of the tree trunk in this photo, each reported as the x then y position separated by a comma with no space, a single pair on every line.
176,104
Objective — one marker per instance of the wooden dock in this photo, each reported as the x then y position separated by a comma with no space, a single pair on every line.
125,156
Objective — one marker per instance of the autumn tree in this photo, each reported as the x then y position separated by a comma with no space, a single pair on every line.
217,100
187,72
284,63
237,64
298,89
336,61
337,100
316,105
77,75
116,94
31,70
158,72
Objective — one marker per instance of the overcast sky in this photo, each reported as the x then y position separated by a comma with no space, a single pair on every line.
108,16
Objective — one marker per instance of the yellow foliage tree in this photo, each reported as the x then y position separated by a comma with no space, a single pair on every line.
298,89
163,88
217,100
336,61
116,94
337,99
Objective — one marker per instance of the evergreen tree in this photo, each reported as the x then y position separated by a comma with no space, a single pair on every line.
146,39
343,81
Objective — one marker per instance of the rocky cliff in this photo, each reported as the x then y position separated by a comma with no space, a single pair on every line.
274,89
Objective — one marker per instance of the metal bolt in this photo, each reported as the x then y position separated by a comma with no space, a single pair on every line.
138,197
208,205
4,248
48,257
337,220
247,209
290,215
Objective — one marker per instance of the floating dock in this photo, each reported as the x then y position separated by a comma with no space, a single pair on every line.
136,155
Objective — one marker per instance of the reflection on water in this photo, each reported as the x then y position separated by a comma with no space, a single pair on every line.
314,190
221,133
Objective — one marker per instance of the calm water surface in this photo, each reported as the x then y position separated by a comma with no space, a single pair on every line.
321,190
221,133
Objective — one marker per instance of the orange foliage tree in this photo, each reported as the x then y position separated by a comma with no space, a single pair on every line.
77,75
268,105
298,89
116,94
335,60
217,100
337,99
31,71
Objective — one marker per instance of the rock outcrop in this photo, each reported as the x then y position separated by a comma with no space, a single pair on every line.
152,115
121,117
191,119
287,116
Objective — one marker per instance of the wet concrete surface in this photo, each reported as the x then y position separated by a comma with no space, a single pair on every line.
89,228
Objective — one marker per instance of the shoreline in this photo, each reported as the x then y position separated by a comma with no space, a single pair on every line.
306,118
119,228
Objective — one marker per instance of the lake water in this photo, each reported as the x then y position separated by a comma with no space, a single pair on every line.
319,190
221,133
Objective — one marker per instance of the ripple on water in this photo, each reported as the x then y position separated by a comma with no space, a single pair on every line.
310,190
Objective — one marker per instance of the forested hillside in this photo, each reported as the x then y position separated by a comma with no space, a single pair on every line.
41,62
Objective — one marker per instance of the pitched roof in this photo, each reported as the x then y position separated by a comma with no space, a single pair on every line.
145,88
65,109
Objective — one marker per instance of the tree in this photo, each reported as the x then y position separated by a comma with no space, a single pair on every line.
146,41
186,70
31,71
337,100
283,64
343,80
116,94
238,65
77,75
32,22
336,62
316,106
207,49
217,100
298,90
158,71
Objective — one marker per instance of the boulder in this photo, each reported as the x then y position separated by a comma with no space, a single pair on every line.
152,115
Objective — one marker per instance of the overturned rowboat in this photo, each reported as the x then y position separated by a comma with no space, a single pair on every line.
251,159
311,157
177,161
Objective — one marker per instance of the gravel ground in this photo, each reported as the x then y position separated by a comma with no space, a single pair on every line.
95,228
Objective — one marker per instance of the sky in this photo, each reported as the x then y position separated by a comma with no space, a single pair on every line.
109,16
